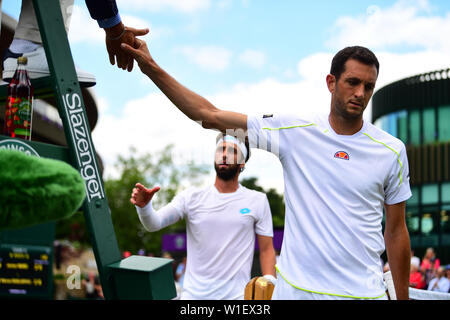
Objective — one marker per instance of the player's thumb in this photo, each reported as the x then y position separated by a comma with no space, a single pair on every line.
151,192
139,32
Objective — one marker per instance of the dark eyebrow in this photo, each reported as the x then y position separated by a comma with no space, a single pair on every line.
353,79
369,85
225,147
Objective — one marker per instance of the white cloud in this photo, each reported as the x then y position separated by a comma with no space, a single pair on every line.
270,95
102,104
315,67
85,29
405,24
394,66
209,58
253,58
184,6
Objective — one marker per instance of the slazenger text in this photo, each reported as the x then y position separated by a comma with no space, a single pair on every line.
84,151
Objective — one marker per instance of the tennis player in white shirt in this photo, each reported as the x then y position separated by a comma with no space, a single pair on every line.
339,173
221,222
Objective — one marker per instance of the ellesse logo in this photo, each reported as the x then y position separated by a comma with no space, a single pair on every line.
342,155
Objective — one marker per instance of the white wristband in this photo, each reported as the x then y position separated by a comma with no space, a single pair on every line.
271,278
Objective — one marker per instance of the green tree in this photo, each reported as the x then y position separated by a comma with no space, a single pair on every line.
151,170
276,200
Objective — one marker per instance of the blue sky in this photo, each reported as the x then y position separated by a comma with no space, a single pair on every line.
248,56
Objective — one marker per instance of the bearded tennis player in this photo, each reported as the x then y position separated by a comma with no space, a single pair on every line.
340,172
221,222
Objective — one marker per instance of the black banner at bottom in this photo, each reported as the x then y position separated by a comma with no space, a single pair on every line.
198,310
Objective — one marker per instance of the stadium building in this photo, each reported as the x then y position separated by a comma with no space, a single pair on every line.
417,111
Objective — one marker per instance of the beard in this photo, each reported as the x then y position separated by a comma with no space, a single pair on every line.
227,173
341,108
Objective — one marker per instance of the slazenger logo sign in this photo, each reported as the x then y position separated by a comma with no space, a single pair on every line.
18,146
83,146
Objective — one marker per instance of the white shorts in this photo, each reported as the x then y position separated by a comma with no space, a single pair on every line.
285,291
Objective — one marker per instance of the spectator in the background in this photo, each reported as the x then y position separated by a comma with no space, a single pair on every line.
440,283
415,259
416,279
429,273
429,259
430,264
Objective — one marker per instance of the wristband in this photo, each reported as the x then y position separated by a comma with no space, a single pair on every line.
118,37
271,278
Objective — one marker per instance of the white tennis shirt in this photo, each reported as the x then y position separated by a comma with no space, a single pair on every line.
335,190
220,234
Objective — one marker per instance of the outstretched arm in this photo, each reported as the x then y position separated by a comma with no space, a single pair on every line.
191,104
398,248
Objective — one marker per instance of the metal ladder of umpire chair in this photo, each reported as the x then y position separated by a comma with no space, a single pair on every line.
136,277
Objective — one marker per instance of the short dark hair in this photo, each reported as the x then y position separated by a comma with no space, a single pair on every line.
241,139
358,53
